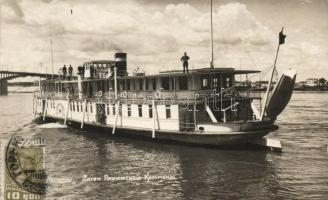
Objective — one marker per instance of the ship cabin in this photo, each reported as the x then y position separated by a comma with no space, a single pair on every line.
203,95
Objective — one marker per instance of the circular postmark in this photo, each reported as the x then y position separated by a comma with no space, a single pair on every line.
24,162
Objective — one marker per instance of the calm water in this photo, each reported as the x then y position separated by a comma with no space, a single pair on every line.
300,172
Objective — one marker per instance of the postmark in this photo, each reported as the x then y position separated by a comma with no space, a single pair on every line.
24,174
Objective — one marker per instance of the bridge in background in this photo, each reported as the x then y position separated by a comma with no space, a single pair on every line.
8,75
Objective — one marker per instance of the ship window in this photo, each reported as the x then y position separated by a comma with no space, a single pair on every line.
215,82
98,86
129,110
123,85
107,106
106,85
183,83
73,106
228,82
91,107
140,110
154,83
128,84
166,83
86,108
114,110
103,83
140,84
70,106
147,86
205,84
81,107
134,84
77,107
112,84
150,111
168,111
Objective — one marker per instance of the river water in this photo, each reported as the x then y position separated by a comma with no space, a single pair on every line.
165,171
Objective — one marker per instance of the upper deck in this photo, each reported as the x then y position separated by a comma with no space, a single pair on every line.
174,84
98,76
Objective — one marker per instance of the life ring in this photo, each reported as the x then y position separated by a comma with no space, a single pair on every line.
124,94
157,94
100,93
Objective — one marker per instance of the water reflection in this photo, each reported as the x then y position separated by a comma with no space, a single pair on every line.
199,172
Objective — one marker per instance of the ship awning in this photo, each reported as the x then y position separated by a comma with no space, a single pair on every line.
210,71
246,71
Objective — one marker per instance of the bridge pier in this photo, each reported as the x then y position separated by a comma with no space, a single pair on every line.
3,87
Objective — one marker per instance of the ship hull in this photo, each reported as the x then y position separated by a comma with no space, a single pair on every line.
220,138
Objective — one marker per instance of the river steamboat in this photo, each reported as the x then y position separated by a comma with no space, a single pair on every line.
200,107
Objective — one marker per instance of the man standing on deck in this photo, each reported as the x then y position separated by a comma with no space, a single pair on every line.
184,59
60,73
80,69
64,72
70,71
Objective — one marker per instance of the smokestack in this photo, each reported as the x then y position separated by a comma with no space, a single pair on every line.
121,64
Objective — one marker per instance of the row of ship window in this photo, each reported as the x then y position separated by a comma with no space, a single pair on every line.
78,107
167,83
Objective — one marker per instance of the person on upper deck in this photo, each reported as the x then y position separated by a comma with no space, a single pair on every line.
81,70
70,71
60,73
64,71
184,59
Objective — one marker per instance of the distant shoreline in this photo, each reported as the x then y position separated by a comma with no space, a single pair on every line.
311,91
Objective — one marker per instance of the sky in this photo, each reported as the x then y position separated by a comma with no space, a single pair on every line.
155,34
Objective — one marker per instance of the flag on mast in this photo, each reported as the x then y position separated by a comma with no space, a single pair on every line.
282,37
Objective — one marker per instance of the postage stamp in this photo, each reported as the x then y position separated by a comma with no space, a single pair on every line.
23,174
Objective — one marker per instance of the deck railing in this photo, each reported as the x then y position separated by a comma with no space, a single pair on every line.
165,97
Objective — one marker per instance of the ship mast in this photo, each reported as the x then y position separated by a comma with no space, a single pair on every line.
281,41
212,54
0,35
52,58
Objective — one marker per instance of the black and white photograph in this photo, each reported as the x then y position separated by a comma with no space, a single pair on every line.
163,99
